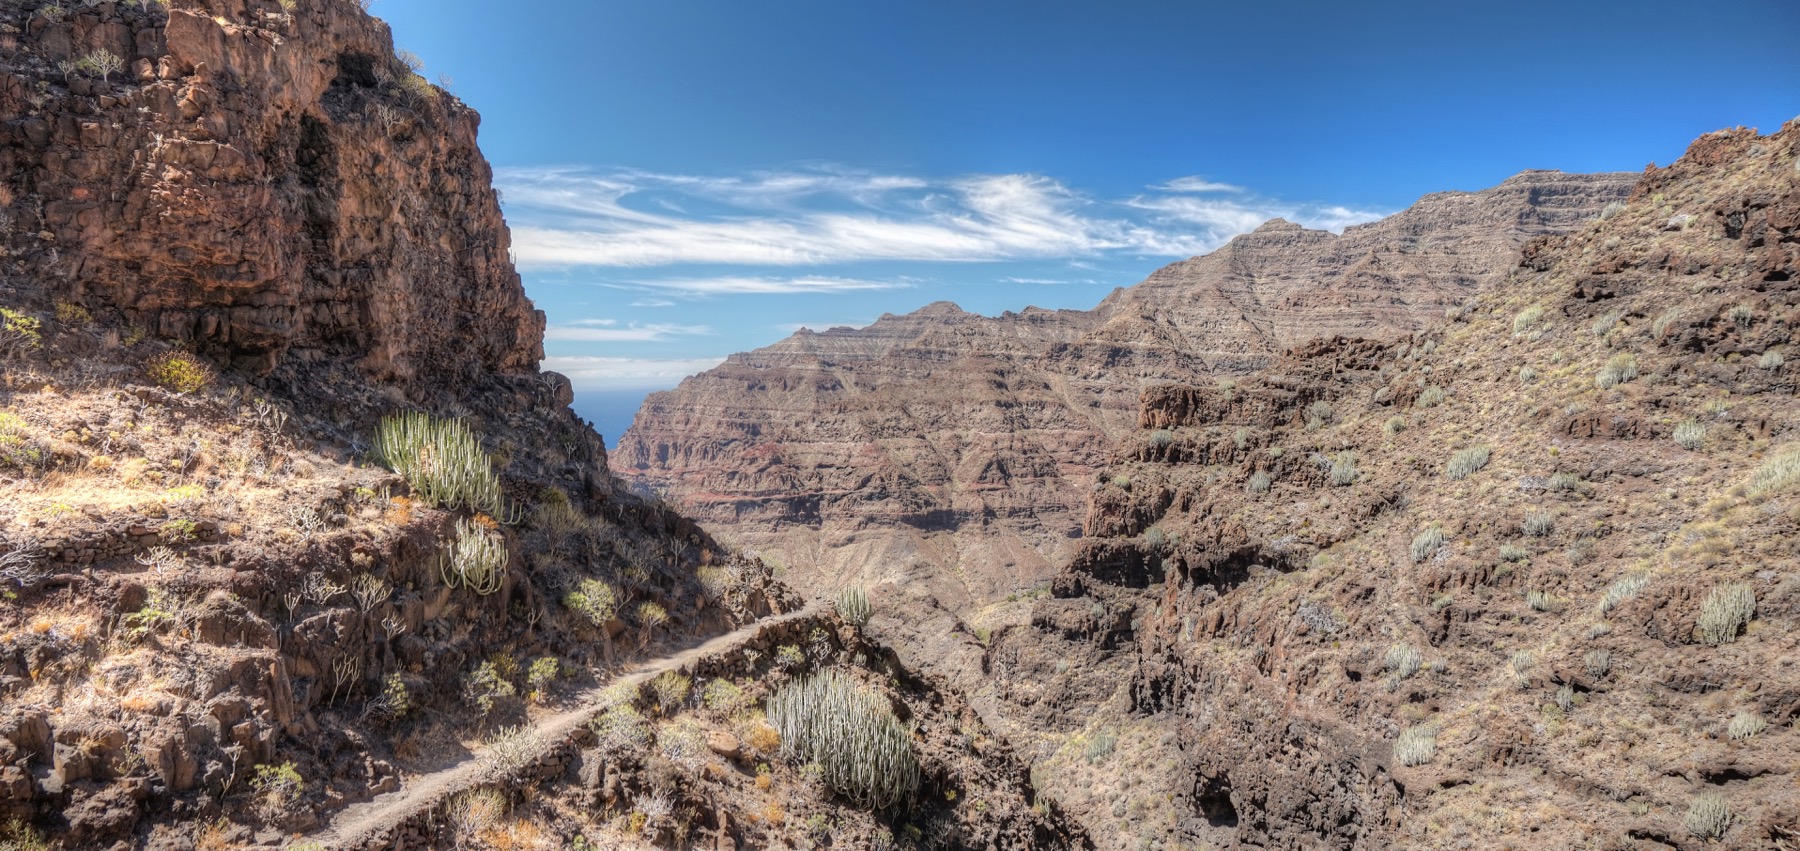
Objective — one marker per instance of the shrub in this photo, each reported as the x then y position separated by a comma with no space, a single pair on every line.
1538,524
1241,437
788,657
1771,360
1343,469
1393,426
853,606
651,615
442,460
851,732
1745,725
544,671
1318,414
621,729
1259,483
72,314
485,686
1778,473
1622,589
1565,482
1155,538
1466,461
1727,610
180,372
1416,745
1522,662
19,333
278,787
1619,369
1404,660
1161,438
476,558
1665,321
670,690
1100,745
1742,315
1690,434
1426,543
595,600
1527,375
1432,397
1527,319
1513,552
1565,697
1542,601
1597,662
1605,323
723,696
1708,816
512,748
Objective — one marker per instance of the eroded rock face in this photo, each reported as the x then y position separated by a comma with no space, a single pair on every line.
271,187
1397,658
952,453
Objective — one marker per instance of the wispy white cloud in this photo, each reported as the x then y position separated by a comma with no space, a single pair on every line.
1196,183
653,302
567,218
605,331
614,373
749,284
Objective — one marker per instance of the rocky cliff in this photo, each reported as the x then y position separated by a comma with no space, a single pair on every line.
270,184
948,454
1525,578
235,602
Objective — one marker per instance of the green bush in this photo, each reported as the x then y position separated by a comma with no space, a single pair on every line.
1161,438
1727,610
1317,415
852,734
621,729
1622,589
1259,483
1772,360
1464,462
180,372
1597,662
1538,524
1513,552
19,333
1343,469
1432,397
442,460
670,691
1393,426
853,606
1565,482
485,686
1526,320
476,558
595,600
1100,745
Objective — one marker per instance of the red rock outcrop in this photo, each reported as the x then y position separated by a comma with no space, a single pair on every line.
269,185
951,453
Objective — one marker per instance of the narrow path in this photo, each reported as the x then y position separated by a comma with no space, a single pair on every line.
359,823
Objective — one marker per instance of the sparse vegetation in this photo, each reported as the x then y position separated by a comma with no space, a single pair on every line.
1513,552
1623,589
1161,438
1427,542
1598,663
1771,359
1708,816
1745,726
1318,415
1538,524
1259,483
669,690
442,460
1522,662
1690,434
1565,482
1404,660
853,606
1432,397
180,372
476,558
1727,610
1464,462
1542,601
851,733
1778,473
1525,322
1416,745
1619,369
1343,469
1393,426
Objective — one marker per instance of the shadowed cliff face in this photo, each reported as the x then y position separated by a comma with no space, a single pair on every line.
952,454
270,187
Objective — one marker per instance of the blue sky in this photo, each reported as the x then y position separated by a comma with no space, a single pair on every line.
690,178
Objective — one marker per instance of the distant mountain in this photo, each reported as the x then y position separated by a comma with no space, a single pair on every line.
951,453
